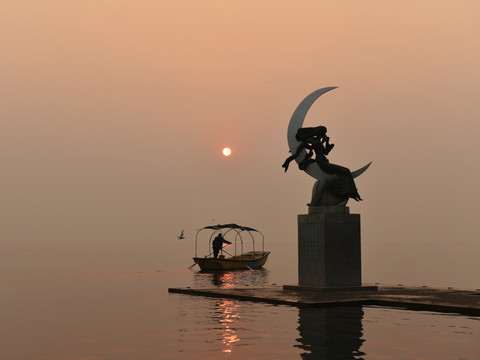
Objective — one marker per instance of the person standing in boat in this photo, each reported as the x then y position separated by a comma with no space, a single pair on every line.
217,244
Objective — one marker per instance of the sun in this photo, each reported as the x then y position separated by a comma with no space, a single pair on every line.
227,151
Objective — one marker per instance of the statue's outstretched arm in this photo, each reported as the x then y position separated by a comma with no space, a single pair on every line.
293,156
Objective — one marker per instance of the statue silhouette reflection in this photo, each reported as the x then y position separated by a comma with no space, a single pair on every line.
324,333
331,333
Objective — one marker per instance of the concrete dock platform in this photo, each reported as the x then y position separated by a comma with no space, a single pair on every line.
463,302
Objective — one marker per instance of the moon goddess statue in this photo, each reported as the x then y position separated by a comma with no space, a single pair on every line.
309,147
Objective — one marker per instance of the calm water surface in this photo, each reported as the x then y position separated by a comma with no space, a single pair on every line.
110,301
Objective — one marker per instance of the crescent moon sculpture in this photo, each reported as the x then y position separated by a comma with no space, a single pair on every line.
319,196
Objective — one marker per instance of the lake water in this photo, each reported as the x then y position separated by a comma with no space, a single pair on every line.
110,301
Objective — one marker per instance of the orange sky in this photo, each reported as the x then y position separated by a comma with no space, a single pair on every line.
114,114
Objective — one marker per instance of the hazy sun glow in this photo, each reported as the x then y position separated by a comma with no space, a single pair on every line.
227,151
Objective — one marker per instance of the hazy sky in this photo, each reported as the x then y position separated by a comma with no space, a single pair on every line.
114,114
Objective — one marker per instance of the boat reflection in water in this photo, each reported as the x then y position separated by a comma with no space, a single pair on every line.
331,333
230,279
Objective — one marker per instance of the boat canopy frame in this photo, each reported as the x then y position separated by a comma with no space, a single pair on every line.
237,229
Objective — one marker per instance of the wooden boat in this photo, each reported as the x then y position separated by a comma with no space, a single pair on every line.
250,260
239,260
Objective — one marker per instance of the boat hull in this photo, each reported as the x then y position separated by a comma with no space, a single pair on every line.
250,260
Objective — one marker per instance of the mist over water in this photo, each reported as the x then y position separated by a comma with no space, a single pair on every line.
110,301
114,115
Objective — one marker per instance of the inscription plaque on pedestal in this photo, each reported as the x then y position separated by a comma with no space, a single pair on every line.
329,252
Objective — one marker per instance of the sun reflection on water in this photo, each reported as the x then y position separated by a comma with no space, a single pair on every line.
231,279
227,314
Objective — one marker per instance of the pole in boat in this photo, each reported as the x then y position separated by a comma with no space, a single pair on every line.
249,268
232,256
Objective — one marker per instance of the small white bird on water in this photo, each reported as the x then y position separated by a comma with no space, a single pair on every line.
181,236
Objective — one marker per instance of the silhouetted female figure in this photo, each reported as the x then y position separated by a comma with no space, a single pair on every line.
316,142
306,136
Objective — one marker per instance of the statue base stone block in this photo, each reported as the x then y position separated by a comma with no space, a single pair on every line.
329,250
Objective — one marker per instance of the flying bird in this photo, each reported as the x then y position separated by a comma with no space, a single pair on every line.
181,236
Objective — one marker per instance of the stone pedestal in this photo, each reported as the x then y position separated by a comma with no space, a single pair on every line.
329,253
